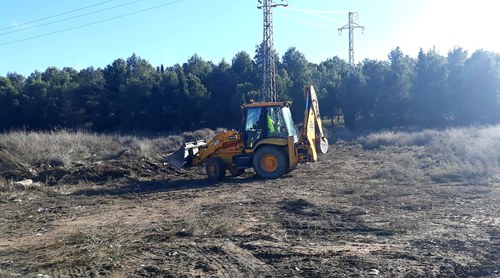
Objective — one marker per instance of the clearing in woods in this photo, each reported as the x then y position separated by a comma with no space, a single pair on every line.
356,212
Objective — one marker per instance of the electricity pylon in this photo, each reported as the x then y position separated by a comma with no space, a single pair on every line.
351,25
269,67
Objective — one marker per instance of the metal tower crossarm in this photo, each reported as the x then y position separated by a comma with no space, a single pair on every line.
350,26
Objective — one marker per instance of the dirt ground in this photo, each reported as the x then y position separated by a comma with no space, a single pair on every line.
356,212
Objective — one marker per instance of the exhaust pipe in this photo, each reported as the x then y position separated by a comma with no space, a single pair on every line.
185,154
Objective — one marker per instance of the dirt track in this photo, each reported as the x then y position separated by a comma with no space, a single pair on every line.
355,213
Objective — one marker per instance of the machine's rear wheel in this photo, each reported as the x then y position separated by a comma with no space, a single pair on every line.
216,168
270,162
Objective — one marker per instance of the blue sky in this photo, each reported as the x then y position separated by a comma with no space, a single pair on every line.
219,29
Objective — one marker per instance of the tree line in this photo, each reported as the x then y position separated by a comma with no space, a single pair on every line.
131,94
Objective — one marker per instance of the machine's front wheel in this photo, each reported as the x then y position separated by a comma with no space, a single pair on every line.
216,168
270,162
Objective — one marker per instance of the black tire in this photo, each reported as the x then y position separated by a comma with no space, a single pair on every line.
270,162
235,172
215,168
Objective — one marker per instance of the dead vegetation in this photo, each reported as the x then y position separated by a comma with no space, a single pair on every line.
456,154
26,154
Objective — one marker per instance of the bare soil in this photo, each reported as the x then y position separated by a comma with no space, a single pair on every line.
356,212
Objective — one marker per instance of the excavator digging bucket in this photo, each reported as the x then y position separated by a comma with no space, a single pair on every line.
322,145
184,154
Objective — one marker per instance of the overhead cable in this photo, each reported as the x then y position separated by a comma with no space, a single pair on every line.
316,11
72,17
56,15
92,23
305,21
326,18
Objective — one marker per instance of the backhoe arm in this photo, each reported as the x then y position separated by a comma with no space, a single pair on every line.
312,136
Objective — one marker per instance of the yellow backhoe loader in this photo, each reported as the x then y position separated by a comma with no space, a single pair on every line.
268,142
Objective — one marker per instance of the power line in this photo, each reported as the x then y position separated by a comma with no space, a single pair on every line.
321,16
72,17
327,18
92,23
305,21
316,11
56,15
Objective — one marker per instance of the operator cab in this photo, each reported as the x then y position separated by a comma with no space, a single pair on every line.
267,120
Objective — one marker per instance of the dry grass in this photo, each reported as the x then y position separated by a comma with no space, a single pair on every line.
457,154
57,148
22,152
467,153
158,146
399,139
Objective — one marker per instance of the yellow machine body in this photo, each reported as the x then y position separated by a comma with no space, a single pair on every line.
267,142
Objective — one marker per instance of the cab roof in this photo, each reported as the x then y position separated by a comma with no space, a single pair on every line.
268,104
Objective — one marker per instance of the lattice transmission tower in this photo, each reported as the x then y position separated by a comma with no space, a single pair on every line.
269,66
351,25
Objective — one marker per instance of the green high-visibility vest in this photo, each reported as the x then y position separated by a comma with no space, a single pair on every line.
270,124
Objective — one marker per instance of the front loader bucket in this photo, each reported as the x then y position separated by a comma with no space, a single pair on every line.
184,154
